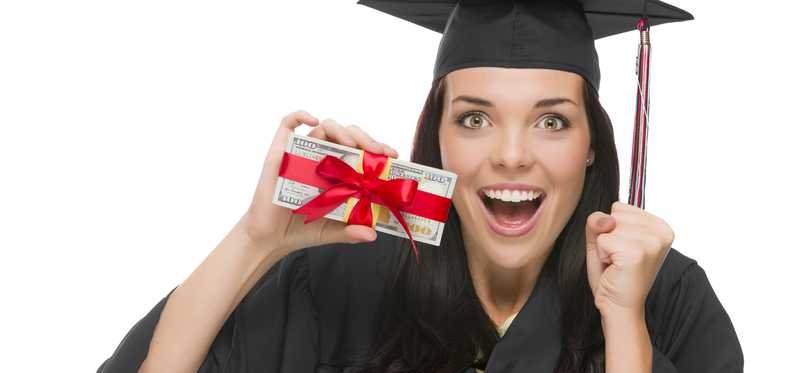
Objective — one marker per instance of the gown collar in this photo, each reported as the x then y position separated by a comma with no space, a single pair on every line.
532,343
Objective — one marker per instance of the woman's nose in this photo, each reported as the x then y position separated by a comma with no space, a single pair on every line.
512,151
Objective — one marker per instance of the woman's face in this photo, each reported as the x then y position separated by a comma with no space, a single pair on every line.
511,133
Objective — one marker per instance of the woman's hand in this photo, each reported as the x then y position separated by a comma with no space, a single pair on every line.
624,252
269,224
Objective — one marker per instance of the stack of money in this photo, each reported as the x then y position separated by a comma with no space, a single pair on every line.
293,194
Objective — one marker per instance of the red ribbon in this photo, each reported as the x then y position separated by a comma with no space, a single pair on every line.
340,182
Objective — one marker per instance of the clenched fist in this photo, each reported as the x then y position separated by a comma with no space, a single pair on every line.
624,252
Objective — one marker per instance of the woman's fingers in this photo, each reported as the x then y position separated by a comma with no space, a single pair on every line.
390,151
329,129
335,231
352,136
338,133
295,119
276,149
365,140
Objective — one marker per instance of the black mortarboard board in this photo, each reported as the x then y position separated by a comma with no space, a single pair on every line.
556,34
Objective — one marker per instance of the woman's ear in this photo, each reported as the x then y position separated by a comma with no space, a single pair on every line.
590,158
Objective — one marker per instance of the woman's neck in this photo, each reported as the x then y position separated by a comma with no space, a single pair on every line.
502,291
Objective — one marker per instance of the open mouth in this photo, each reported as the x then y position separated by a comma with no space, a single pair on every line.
511,217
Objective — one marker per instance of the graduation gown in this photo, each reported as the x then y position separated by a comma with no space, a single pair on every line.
318,308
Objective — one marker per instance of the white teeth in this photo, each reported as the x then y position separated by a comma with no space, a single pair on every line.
512,196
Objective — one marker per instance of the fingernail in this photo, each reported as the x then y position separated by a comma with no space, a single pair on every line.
604,221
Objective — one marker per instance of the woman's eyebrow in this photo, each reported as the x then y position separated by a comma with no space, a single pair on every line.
543,103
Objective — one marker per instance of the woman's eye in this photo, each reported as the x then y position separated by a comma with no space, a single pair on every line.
472,120
552,122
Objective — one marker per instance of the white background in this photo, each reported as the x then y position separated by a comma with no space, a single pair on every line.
132,136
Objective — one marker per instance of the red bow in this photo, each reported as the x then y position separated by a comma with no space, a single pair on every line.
367,187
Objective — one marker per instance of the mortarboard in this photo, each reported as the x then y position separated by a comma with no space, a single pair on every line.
554,34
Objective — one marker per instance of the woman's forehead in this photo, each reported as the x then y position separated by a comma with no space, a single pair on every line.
498,81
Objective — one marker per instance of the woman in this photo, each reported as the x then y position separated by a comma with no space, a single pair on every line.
567,280
320,309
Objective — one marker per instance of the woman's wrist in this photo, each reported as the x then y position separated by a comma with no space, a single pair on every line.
628,347
621,315
257,237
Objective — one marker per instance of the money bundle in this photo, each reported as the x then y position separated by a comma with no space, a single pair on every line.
292,194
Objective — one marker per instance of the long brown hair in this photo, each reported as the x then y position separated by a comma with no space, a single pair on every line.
433,319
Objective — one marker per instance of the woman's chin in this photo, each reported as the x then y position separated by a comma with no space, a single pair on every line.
510,257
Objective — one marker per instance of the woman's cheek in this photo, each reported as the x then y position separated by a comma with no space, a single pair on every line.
462,158
567,168
564,159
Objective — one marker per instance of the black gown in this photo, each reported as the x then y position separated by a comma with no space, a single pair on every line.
318,308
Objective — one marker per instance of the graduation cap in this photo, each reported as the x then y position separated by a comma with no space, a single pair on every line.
553,34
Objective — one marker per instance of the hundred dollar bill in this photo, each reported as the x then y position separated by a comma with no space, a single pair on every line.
292,194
